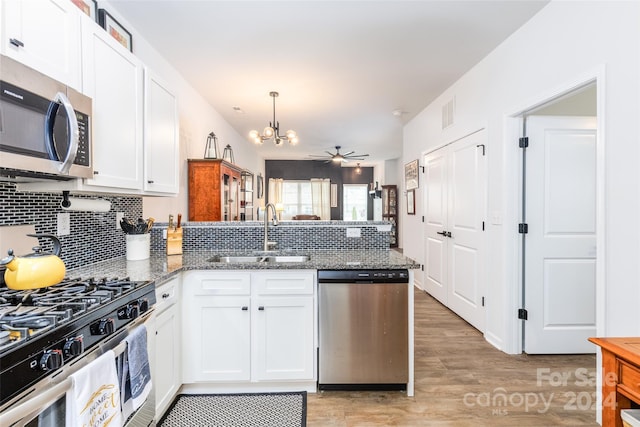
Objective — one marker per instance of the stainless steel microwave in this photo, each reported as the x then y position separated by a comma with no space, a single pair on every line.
45,126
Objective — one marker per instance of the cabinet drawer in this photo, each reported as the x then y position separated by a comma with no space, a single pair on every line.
166,294
284,283
629,378
219,283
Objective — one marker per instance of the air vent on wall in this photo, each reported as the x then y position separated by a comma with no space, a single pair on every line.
448,111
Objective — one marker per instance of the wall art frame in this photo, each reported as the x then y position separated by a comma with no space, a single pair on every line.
411,176
411,202
117,31
88,7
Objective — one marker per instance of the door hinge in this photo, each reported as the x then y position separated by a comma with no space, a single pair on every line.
483,301
523,314
523,228
523,142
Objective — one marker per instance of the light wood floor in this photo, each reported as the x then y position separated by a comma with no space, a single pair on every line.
461,380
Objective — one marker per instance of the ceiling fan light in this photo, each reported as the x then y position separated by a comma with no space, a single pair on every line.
268,132
337,159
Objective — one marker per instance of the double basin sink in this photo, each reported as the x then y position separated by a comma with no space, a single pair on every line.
259,258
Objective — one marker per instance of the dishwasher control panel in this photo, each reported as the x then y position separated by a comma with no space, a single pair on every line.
354,276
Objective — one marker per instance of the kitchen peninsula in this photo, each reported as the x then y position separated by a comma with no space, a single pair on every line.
252,324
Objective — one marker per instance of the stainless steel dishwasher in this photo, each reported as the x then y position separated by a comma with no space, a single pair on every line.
363,329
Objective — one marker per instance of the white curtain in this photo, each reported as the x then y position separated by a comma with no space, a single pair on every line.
321,197
275,190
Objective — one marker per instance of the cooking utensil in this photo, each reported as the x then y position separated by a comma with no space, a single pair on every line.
179,220
36,270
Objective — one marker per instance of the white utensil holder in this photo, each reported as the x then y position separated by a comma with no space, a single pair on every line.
138,246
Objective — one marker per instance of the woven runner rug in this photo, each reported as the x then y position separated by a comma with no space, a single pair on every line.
237,410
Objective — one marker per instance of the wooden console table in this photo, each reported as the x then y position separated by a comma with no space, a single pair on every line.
620,377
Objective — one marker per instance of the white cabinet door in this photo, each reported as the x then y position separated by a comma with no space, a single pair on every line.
167,356
217,330
282,338
161,147
44,35
113,77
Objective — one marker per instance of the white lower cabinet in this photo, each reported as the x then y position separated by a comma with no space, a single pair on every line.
167,378
241,327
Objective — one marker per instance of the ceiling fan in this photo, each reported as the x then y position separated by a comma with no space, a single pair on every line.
339,157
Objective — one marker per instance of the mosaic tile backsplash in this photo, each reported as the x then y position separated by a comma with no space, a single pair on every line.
289,235
94,236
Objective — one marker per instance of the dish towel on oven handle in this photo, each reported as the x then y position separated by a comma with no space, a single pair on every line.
94,397
137,378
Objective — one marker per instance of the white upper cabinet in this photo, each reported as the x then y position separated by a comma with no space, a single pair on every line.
134,124
161,129
113,78
44,35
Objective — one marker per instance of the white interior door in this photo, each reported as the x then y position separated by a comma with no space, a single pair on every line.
560,246
435,209
466,199
454,195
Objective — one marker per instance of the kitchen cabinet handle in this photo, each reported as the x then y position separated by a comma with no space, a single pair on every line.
16,42
245,308
448,234
150,181
96,172
261,308
442,233
165,296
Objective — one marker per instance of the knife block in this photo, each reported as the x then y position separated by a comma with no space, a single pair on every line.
174,241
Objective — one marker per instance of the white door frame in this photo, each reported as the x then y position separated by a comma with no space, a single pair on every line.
513,180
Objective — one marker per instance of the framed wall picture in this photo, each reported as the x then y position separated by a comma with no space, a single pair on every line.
411,175
89,7
411,202
114,28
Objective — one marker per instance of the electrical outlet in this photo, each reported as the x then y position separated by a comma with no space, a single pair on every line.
353,232
119,216
164,234
64,224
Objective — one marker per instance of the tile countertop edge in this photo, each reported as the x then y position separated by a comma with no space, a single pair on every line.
160,267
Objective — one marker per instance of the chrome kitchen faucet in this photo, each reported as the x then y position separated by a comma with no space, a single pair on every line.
267,243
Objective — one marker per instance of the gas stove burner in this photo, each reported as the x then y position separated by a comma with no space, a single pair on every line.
42,330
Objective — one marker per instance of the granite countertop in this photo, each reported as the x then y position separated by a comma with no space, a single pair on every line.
160,266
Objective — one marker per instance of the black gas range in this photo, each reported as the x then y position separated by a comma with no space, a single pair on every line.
43,330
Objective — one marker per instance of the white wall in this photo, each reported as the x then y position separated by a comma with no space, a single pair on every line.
565,42
197,119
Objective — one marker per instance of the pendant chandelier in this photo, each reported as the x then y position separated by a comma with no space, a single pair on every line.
273,130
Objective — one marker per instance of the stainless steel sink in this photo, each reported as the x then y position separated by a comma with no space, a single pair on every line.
259,258
288,258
